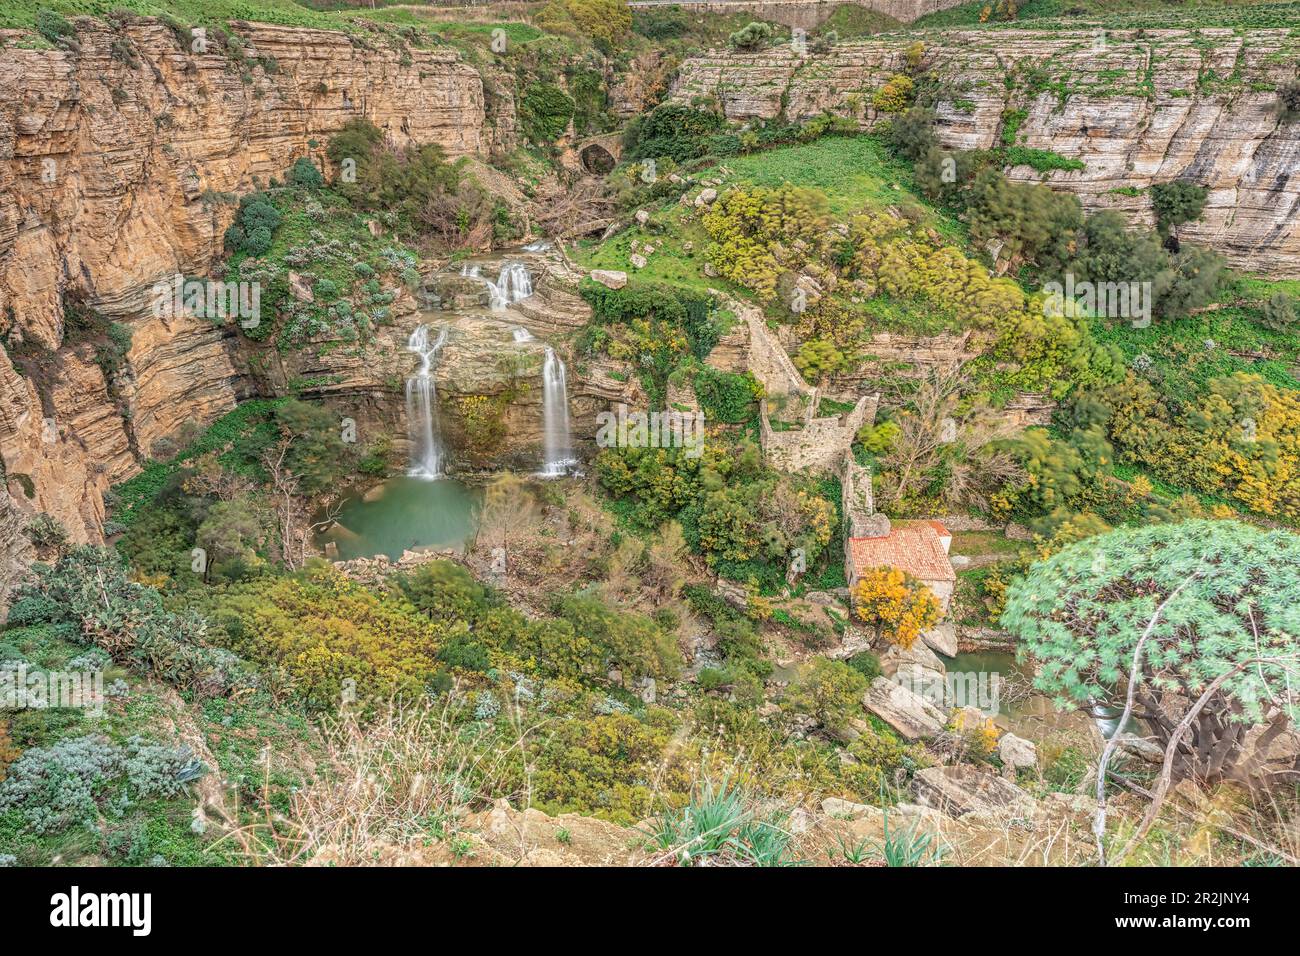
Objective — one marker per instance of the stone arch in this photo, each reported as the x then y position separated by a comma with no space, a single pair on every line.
596,159
597,155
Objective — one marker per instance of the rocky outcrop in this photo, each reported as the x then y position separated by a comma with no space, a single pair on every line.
908,713
119,160
16,553
1016,752
913,356
805,14
1137,107
962,789
109,171
942,638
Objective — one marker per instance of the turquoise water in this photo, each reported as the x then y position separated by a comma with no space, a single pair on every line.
404,513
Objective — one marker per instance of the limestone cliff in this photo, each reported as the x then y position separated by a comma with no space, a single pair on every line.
14,549
116,164
1136,107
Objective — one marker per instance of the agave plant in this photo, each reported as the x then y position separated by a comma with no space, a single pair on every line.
718,827
910,847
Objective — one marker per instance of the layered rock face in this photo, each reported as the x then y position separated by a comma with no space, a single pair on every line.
16,552
806,14
117,164
1136,107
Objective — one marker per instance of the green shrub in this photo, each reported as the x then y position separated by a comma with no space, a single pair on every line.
660,23
53,26
726,396
672,131
752,36
254,227
304,173
544,112
90,588
1279,312
1288,101
1176,203
866,664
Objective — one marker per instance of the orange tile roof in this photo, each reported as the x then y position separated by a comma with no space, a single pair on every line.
913,547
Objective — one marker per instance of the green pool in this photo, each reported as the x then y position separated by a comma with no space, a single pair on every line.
401,514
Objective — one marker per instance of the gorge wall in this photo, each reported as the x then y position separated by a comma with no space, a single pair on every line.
804,13
1136,107
117,164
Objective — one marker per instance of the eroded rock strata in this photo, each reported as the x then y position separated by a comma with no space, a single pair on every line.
115,175
1137,107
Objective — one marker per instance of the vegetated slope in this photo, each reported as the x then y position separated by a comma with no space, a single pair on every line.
1105,120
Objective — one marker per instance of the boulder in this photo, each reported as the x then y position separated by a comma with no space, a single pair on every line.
848,810
942,638
908,713
800,821
637,260
609,278
918,669
300,288
646,690
642,217
1141,747
915,814
967,719
706,197
961,789
1016,752
918,656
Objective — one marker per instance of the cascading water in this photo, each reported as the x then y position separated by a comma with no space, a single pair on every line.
521,334
513,283
557,454
422,406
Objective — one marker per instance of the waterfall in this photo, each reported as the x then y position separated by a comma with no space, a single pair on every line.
513,283
521,334
422,406
555,418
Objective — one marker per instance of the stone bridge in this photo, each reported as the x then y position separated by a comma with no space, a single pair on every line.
597,155
806,14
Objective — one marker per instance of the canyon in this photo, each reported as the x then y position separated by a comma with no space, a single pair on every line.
115,175
1136,107
112,176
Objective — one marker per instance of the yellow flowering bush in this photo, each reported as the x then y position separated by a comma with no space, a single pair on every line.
897,602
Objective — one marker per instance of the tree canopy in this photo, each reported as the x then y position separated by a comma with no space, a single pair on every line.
1229,603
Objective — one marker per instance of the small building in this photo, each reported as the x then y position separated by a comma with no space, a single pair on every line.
920,548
